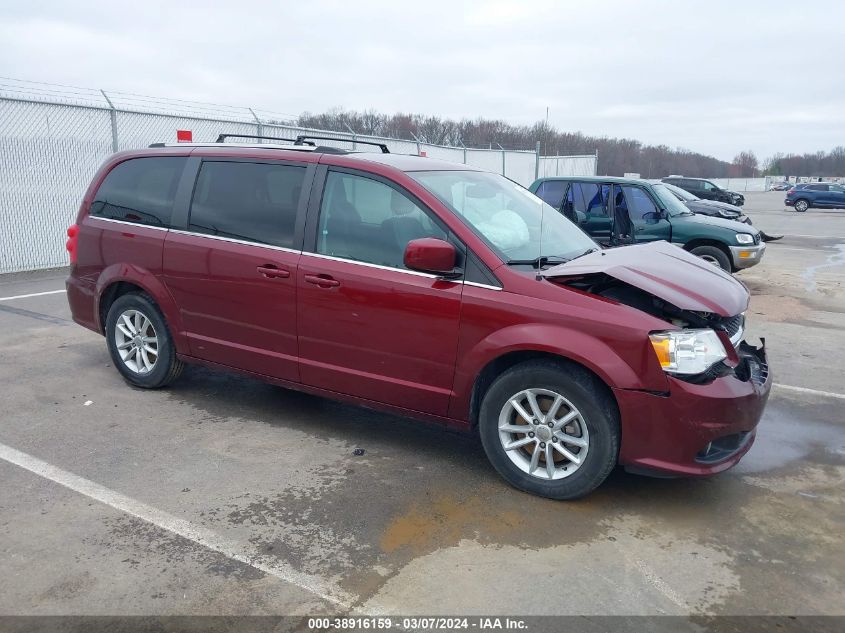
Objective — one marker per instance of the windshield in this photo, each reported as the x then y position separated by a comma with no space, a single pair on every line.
670,203
683,194
506,215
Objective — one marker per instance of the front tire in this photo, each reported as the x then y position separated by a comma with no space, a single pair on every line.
713,255
550,429
801,205
139,342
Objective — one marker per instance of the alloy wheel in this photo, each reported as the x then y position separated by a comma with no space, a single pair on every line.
543,434
136,341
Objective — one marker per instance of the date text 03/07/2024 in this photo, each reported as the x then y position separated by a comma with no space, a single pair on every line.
417,623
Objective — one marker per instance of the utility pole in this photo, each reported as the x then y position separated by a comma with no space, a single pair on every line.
546,133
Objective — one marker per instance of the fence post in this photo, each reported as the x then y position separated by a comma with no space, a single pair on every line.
354,135
503,157
596,164
417,140
465,151
113,114
537,161
259,125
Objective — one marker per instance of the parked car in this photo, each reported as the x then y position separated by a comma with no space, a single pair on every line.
619,211
820,195
719,209
706,190
780,186
425,288
707,207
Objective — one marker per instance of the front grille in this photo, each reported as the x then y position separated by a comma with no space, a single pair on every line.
731,325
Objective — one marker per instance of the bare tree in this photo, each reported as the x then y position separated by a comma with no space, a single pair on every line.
616,156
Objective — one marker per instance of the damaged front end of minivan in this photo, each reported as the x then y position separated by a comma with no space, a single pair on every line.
718,383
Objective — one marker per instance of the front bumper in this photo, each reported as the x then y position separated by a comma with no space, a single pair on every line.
695,429
747,255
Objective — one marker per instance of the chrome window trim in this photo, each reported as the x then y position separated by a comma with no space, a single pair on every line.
398,270
379,266
297,252
135,224
478,285
234,240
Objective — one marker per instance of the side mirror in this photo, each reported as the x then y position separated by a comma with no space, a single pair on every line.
432,255
653,216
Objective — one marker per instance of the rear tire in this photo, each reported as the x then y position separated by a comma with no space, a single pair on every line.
582,452
139,342
713,255
801,205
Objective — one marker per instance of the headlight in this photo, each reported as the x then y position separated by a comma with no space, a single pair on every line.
744,238
687,352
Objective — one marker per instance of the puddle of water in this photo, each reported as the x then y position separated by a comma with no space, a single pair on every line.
834,259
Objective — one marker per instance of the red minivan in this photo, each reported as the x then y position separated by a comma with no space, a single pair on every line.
426,288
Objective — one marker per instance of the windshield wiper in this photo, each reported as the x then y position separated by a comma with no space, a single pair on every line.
547,260
538,262
586,252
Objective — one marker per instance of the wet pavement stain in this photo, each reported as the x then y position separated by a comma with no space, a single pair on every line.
833,260
447,520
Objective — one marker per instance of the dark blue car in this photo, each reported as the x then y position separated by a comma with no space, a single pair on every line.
821,195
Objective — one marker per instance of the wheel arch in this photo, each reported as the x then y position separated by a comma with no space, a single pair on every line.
122,279
707,241
502,363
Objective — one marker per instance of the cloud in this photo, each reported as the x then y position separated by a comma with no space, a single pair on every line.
716,77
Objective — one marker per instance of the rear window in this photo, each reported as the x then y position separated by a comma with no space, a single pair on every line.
140,190
255,202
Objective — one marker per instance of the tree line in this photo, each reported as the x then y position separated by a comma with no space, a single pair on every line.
616,156
811,164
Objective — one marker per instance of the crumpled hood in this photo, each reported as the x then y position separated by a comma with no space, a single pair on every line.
666,271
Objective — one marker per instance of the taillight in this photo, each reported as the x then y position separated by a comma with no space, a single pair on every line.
70,245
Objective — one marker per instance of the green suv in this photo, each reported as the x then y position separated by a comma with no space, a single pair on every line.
620,211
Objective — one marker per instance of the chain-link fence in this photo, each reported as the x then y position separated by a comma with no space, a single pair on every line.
53,139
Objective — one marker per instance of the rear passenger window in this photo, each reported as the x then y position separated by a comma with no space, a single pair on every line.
256,202
551,192
368,221
140,190
590,198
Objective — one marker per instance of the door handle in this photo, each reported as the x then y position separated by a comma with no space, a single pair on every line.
272,271
323,281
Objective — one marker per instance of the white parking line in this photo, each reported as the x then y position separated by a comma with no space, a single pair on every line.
812,392
242,553
34,294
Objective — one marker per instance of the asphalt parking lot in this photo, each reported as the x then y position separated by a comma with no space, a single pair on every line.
222,495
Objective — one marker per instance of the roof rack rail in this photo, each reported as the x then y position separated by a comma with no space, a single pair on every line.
222,138
301,140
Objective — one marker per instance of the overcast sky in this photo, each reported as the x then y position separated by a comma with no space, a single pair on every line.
715,77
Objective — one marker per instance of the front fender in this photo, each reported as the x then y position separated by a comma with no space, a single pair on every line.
626,364
153,286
